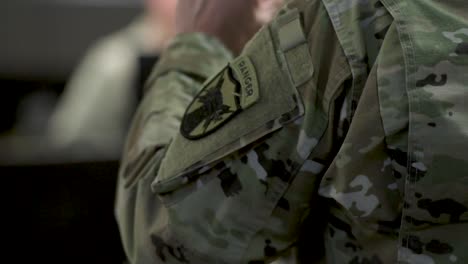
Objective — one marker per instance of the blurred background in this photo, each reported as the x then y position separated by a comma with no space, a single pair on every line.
61,124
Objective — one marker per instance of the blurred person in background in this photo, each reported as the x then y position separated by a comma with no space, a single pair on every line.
100,98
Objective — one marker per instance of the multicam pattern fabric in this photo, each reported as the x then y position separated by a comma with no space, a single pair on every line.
147,138
436,185
362,162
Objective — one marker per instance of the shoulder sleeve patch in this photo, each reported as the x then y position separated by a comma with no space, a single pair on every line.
232,90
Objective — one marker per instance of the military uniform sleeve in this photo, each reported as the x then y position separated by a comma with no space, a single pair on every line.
238,182
174,82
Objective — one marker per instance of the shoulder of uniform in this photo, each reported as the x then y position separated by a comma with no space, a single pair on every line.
195,54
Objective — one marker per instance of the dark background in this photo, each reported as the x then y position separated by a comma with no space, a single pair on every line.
54,210
60,214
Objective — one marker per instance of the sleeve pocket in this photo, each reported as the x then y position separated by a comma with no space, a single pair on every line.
214,199
278,103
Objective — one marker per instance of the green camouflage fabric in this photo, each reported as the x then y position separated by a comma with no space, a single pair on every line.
170,89
355,151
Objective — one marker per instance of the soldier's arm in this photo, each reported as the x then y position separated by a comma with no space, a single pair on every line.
177,78
237,189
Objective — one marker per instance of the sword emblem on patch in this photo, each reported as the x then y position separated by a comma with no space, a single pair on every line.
230,92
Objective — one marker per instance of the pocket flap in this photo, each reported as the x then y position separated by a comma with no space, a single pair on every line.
276,103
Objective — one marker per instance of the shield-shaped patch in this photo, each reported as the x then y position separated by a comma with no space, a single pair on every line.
232,90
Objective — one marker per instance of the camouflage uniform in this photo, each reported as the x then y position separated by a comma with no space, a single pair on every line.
350,149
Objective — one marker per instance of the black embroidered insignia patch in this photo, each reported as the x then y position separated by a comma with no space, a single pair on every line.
234,89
